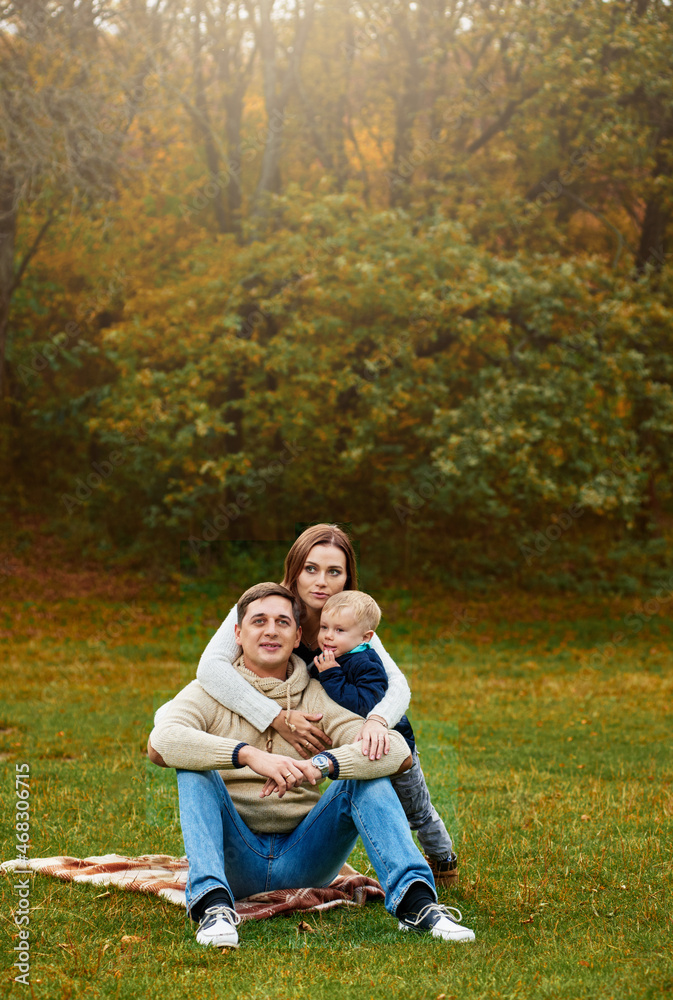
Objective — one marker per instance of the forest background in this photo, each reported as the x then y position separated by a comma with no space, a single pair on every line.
399,265
404,266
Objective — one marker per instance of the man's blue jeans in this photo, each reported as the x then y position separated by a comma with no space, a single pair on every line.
224,853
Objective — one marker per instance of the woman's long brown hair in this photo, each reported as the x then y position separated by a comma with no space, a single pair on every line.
319,534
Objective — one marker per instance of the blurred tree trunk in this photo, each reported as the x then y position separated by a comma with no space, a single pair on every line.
408,96
653,234
8,212
278,83
235,72
202,116
325,96
54,144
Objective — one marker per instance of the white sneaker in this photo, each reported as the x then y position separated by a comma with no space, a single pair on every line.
218,926
439,922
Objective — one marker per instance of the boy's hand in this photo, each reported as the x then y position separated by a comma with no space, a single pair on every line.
325,661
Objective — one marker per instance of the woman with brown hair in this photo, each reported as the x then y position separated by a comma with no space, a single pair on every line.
320,563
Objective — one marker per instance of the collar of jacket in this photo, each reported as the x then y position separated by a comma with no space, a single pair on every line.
358,649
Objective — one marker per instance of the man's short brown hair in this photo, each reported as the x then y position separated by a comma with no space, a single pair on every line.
261,590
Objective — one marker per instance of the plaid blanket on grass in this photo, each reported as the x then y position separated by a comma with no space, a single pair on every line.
165,876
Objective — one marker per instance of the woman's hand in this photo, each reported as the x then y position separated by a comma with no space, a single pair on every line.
306,738
374,736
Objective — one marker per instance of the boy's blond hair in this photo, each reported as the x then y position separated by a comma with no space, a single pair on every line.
366,610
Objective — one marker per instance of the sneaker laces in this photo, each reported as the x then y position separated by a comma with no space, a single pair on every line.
211,913
442,911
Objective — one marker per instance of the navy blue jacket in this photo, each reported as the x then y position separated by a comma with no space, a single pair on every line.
358,684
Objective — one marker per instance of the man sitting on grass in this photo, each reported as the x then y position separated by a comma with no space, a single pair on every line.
251,812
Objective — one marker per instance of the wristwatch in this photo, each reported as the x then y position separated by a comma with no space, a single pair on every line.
322,762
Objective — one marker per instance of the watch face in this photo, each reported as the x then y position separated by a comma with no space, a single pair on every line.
320,760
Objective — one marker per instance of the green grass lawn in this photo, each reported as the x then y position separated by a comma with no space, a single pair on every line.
554,775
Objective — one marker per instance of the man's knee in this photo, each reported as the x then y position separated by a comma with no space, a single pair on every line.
377,793
405,766
375,786
155,756
198,783
199,777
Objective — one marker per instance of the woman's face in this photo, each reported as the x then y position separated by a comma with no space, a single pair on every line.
324,574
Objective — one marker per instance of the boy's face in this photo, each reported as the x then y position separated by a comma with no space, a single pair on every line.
340,631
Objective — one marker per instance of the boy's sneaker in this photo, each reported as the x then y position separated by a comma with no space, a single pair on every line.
438,921
218,927
444,872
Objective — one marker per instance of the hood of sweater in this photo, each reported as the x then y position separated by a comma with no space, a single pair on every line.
288,692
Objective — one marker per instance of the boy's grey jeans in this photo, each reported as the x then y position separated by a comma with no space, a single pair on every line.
412,791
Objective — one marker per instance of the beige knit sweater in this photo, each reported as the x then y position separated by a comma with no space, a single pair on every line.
197,733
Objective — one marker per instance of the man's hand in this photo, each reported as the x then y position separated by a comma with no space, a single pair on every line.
325,661
374,736
282,772
306,738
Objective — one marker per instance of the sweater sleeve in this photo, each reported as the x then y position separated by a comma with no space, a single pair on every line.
396,700
358,685
217,676
342,727
182,737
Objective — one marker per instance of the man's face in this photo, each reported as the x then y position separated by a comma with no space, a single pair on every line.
268,634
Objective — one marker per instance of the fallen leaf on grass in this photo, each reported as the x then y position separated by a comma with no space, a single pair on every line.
585,964
529,920
585,817
130,939
305,927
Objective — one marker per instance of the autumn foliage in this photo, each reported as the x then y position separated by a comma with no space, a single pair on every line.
399,266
